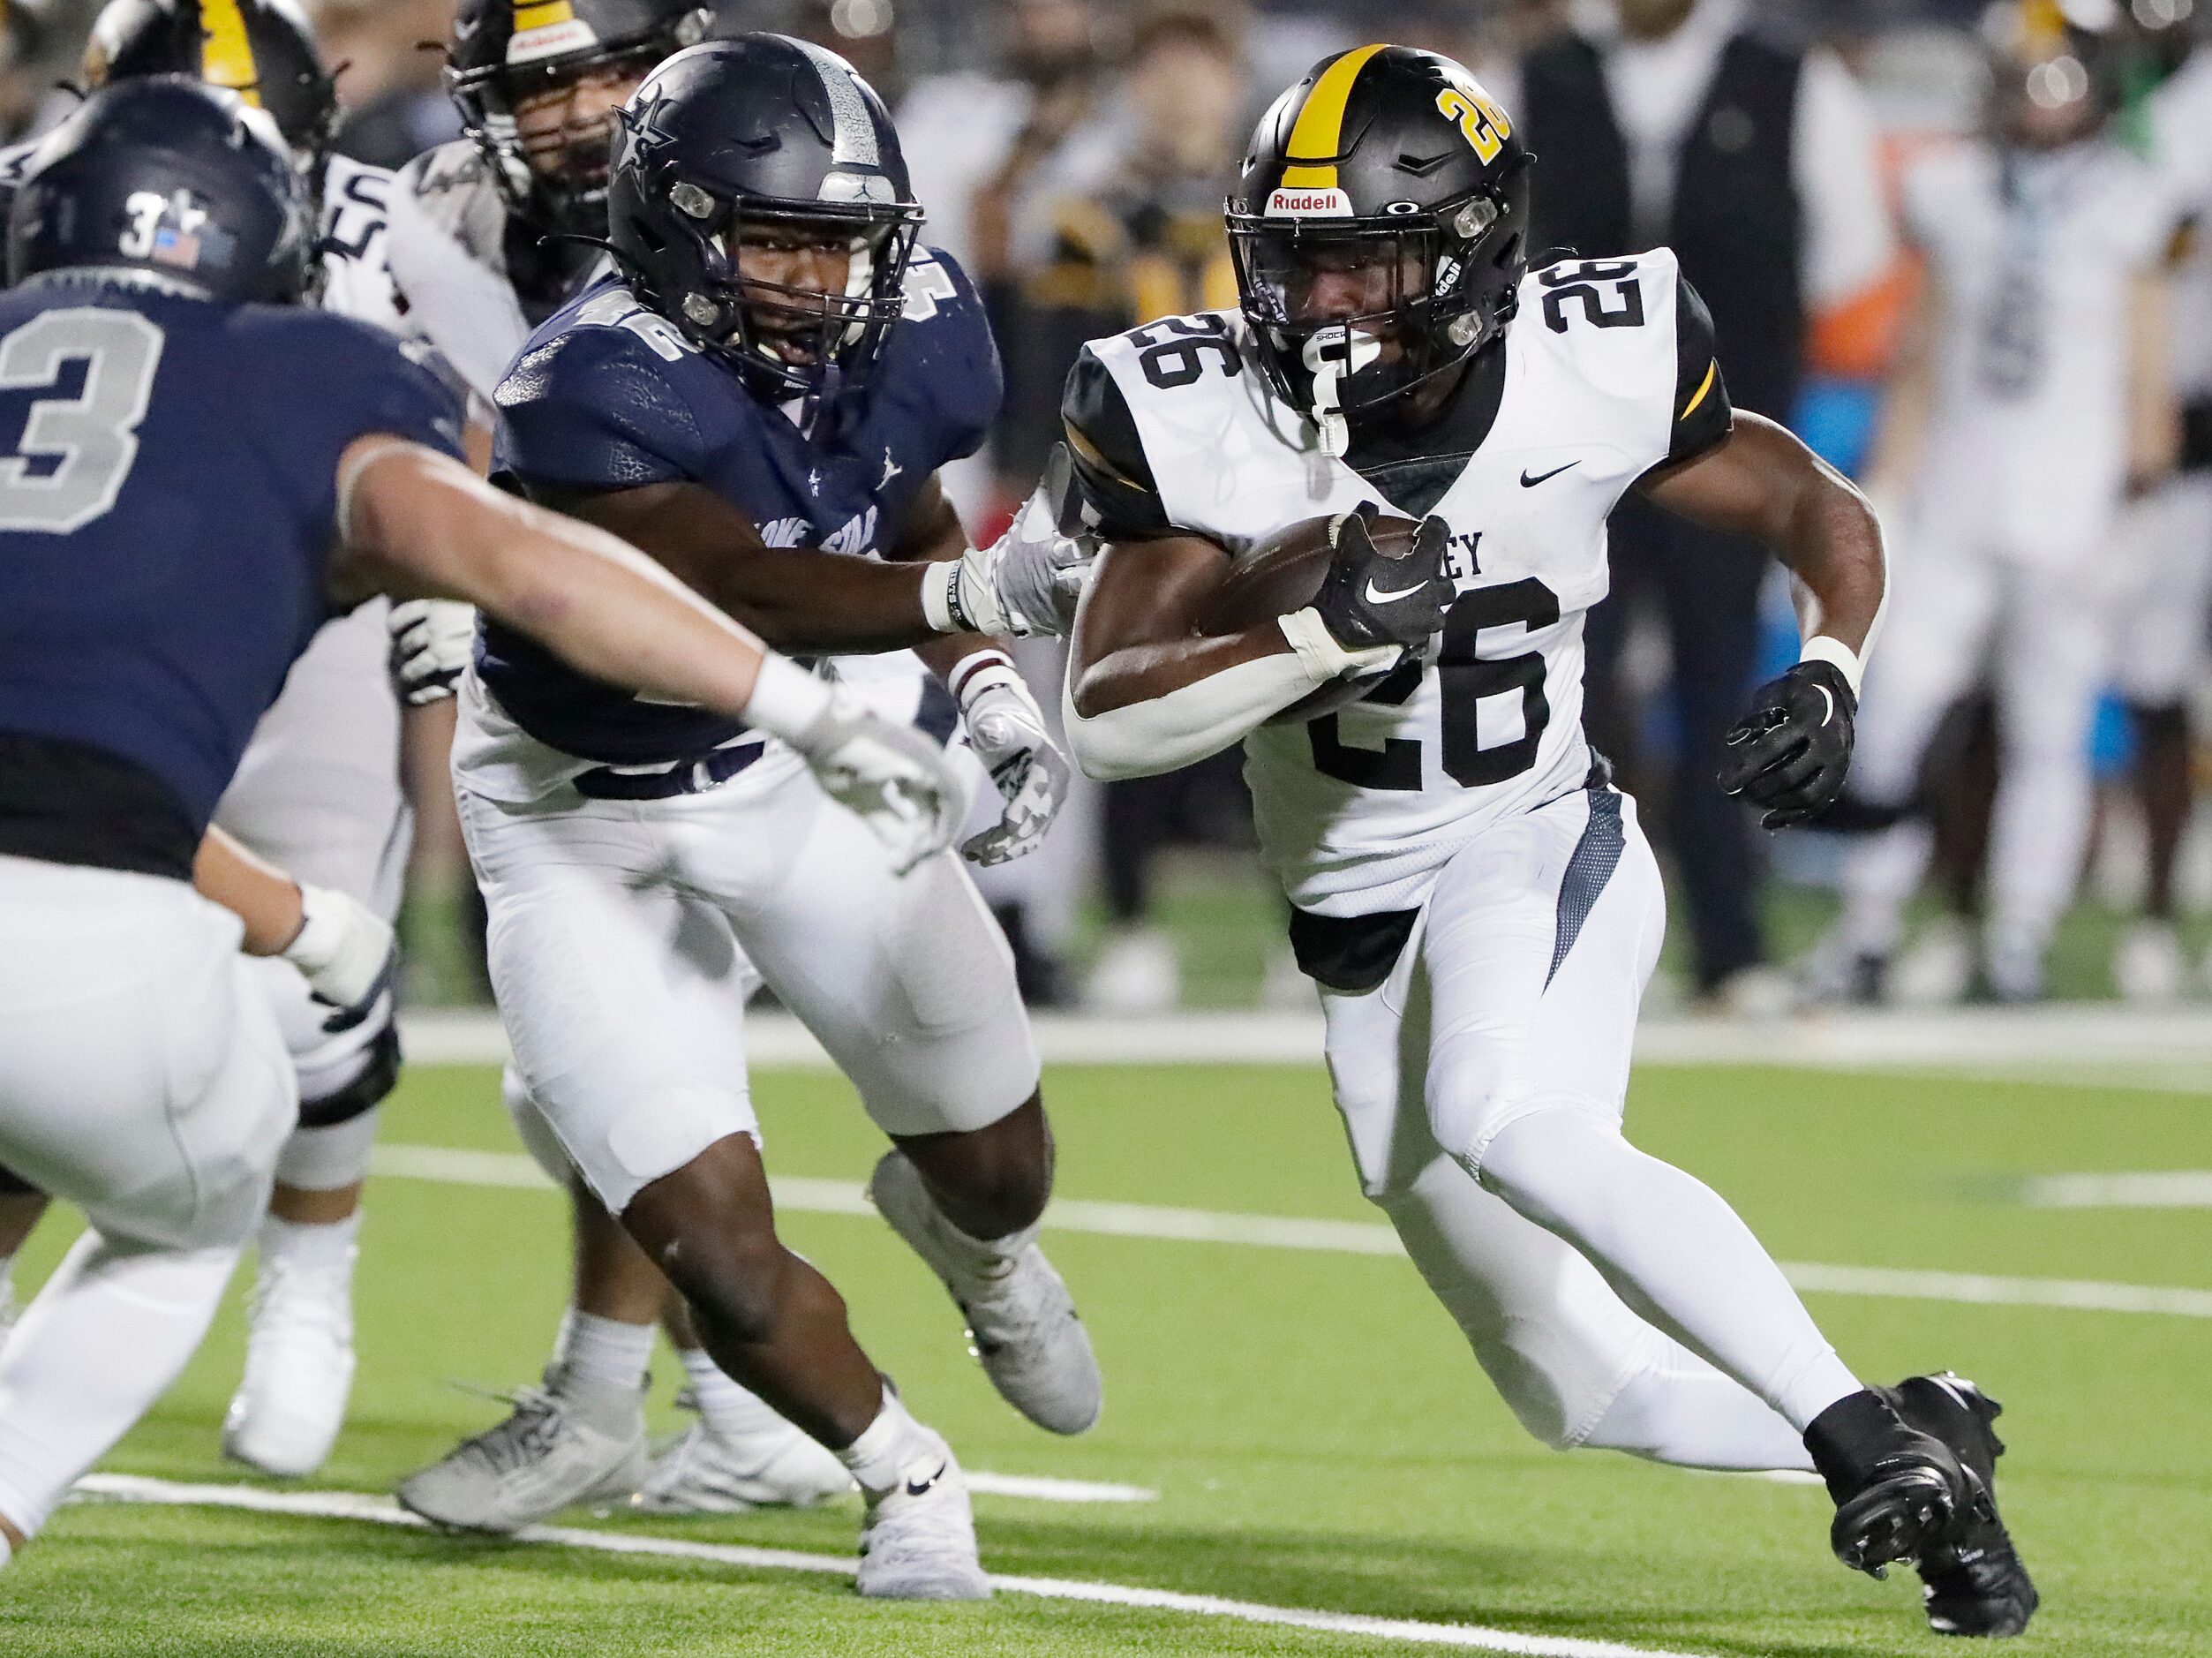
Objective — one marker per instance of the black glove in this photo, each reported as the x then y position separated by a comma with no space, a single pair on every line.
1370,598
1791,754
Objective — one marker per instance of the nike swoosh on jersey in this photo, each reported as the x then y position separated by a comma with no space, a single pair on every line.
1530,483
1376,596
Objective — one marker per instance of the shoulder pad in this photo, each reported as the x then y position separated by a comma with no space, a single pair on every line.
598,399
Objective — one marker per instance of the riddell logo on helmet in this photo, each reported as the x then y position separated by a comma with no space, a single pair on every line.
1309,204
569,34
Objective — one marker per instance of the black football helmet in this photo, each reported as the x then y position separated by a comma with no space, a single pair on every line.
505,52
755,136
261,49
1380,230
172,176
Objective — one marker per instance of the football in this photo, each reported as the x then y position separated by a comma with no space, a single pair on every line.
1282,574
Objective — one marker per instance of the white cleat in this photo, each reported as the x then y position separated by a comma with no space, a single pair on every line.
703,1470
2149,968
289,1406
572,1441
1136,975
1938,969
1021,1319
918,1543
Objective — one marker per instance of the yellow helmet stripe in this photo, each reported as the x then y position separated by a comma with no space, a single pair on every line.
226,52
1319,135
542,14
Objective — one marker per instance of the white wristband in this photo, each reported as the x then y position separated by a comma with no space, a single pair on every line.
936,597
1324,658
972,676
787,701
1838,655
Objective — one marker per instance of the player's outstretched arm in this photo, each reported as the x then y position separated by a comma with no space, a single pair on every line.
1791,755
414,522
1147,693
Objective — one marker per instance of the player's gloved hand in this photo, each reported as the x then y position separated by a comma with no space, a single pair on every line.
1791,753
1006,729
899,783
1028,581
432,640
1375,606
347,953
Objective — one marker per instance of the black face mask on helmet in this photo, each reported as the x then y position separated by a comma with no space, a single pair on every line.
174,179
763,140
505,53
1380,231
263,51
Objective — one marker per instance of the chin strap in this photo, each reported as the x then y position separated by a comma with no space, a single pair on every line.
1331,354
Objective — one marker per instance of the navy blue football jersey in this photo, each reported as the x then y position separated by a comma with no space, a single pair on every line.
168,501
609,396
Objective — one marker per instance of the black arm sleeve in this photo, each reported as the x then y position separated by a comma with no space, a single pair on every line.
1703,414
1112,476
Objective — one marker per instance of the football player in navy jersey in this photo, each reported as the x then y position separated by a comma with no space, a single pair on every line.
319,790
159,575
763,398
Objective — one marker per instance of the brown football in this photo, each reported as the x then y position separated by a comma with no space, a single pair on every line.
1282,574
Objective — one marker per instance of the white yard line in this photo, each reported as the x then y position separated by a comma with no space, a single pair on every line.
2173,1188
2086,1041
353,1506
1347,1237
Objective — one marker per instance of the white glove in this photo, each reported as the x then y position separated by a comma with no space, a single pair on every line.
1028,581
1006,729
346,952
432,641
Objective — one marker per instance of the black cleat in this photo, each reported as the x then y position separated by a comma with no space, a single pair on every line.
1973,1581
1897,1489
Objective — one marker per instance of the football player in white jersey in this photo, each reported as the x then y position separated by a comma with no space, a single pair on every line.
1476,901
490,236
319,793
2165,552
2036,396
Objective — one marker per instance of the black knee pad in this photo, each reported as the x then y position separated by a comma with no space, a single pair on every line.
364,1093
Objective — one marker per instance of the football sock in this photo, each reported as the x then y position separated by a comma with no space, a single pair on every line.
1673,1249
325,1159
106,1336
1679,1409
607,1349
890,1445
7,1552
327,1247
729,1409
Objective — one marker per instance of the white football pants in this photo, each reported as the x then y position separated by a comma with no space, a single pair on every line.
1482,1091
625,937
141,1078
2043,633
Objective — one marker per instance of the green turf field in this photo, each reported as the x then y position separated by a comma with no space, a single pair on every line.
1317,1432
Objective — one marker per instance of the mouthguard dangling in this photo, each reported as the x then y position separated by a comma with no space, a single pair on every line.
1331,354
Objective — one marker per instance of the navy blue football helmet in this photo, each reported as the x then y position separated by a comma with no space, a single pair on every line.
174,177
765,138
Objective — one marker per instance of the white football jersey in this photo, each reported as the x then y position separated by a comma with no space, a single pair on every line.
1608,369
2036,256
357,275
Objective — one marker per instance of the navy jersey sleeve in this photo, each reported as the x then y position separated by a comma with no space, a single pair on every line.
346,381
597,407
1111,473
956,356
1703,414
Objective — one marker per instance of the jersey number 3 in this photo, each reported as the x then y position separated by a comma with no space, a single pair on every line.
76,452
1464,677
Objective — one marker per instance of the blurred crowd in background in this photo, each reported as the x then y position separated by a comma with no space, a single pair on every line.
1073,155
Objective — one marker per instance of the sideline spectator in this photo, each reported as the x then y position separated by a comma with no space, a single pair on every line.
1681,122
